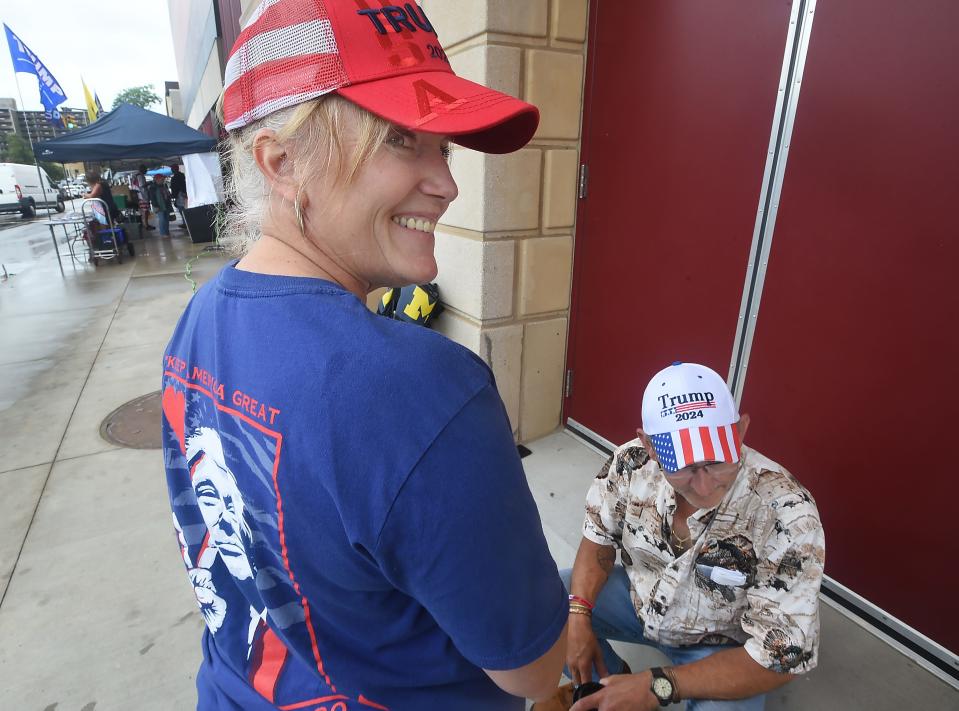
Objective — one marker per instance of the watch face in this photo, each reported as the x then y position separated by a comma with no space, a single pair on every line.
662,688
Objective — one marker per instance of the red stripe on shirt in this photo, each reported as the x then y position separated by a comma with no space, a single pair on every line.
203,547
312,702
196,464
271,664
284,552
367,702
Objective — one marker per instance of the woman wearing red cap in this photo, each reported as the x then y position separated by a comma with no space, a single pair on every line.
393,555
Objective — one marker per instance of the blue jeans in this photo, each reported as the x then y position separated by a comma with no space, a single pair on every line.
163,223
615,619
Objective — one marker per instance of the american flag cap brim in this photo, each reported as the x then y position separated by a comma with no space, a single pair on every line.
680,448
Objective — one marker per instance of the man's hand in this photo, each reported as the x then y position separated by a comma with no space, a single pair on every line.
623,692
582,651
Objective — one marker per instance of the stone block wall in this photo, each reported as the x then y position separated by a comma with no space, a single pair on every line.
505,247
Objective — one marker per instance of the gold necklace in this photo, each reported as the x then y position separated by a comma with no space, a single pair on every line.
680,544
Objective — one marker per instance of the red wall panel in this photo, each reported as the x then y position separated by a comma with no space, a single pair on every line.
680,101
852,380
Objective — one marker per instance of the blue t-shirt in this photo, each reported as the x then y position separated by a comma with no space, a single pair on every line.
350,506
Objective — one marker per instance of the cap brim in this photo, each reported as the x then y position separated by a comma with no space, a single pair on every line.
439,102
678,449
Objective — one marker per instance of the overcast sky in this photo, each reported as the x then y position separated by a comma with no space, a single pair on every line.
113,44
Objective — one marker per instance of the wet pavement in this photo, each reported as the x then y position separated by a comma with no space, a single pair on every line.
94,609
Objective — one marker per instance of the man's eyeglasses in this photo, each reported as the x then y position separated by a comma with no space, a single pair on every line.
717,470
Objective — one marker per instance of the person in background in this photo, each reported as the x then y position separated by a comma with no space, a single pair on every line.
100,189
141,185
162,203
178,190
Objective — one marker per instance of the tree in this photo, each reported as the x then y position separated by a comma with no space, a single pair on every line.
141,96
54,170
14,149
17,151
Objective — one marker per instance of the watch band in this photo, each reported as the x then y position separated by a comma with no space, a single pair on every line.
660,675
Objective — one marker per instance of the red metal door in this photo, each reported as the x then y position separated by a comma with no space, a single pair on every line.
852,379
680,101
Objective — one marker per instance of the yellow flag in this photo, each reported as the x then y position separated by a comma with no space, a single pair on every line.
91,104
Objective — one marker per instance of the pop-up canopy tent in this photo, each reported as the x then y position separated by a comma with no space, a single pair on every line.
126,132
131,132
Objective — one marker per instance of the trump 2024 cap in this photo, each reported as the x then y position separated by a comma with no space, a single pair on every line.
385,57
690,416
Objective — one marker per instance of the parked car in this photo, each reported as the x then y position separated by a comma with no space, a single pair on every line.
21,190
67,188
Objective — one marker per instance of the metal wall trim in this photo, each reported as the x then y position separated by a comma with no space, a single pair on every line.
784,116
594,441
912,643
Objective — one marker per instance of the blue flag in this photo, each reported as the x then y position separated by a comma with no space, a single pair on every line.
56,118
51,95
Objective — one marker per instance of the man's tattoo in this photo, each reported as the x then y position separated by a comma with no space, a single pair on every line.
606,557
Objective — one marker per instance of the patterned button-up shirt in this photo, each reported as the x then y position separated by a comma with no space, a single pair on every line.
766,528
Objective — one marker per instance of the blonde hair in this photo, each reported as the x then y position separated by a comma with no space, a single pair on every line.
314,131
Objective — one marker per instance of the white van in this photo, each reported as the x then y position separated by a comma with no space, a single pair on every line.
20,190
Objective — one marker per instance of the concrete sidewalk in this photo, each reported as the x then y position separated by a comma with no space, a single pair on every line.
96,612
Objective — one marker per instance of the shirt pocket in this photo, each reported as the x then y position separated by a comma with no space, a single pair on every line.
712,608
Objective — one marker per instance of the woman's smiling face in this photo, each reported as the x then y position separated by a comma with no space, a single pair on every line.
379,227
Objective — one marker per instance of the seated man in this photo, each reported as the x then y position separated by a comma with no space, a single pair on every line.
722,557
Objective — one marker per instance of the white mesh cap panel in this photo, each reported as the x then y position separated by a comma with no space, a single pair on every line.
315,37
270,105
287,54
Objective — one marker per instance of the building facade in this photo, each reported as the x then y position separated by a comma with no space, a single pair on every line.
203,34
172,100
35,124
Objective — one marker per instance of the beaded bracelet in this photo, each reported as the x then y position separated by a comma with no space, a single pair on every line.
580,611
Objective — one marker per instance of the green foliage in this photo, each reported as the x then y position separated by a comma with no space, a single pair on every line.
141,96
17,150
14,149
54,170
